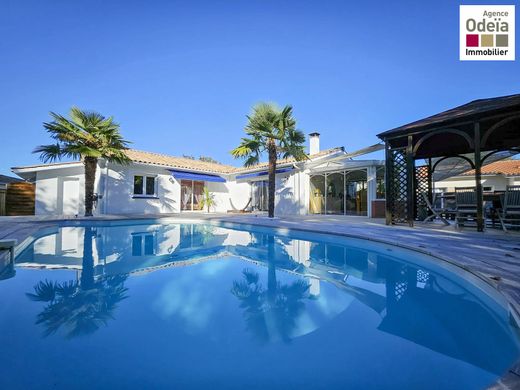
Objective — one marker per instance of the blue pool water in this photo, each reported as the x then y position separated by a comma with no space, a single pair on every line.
196,306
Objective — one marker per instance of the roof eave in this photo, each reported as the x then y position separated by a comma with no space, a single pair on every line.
46,167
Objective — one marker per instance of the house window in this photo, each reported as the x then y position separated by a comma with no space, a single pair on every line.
144,185
143,244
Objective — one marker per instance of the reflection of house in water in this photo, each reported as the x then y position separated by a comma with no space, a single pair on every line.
115,249
414,303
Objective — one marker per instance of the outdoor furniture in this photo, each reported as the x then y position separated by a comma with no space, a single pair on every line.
466,205
479,132
9,245
436,211
510,214
244,210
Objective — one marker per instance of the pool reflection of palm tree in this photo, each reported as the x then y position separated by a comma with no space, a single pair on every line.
271,313
81,307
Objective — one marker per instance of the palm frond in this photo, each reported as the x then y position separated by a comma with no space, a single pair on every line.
85,134
49,153
252,160
266,124
44,291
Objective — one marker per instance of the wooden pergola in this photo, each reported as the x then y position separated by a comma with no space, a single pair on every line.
476,132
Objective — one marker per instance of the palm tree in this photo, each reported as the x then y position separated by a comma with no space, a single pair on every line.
270,313
208,199
78,310
271,130
86,135
80,306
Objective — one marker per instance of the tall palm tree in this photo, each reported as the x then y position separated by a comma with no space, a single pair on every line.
86,135
270,313
272,130
78,311
81,306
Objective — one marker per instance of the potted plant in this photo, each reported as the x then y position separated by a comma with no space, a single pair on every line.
208,199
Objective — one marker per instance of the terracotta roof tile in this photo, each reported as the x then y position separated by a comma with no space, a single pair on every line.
140,156
504,167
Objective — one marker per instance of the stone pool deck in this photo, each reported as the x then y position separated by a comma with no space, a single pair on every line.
493,255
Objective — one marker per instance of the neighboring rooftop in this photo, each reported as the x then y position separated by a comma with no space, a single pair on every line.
8,179
504,167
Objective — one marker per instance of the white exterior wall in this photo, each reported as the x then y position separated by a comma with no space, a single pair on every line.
237,195
228,195
290,196
514,181
49,190
119,198
114,184
498,182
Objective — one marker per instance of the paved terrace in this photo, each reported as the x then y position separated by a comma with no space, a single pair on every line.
493,255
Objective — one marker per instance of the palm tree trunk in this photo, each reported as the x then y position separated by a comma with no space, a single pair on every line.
90,164
271,148
87,268
271,271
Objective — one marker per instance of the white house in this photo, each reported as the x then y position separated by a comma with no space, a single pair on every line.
495,177
330,182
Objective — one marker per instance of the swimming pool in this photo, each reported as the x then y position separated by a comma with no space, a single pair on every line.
194,305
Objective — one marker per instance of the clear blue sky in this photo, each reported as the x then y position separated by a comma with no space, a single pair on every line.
181,76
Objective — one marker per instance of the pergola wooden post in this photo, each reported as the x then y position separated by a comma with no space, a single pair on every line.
410,174
388,168
490,126
478,179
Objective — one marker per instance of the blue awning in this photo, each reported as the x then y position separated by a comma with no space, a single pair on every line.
262,173
196,176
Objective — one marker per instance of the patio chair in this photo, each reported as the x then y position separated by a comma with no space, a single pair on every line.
436,211
466,205
509,216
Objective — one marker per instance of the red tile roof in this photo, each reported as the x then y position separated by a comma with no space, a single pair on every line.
140,156
504,167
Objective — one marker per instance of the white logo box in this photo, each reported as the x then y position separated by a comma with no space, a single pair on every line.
487,20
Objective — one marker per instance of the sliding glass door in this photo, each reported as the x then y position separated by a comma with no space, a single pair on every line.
317,195
356,193
259,195
198,191
342,192
191,195
335,188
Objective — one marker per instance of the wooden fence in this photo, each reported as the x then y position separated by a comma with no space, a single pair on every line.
3,190
20,199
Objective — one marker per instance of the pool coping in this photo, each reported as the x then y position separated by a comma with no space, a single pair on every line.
510,379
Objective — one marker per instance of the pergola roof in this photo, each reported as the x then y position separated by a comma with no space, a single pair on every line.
474,134
469,112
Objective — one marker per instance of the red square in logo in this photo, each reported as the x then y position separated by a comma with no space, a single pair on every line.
472,40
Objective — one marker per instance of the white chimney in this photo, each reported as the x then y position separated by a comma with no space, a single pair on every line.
314,143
